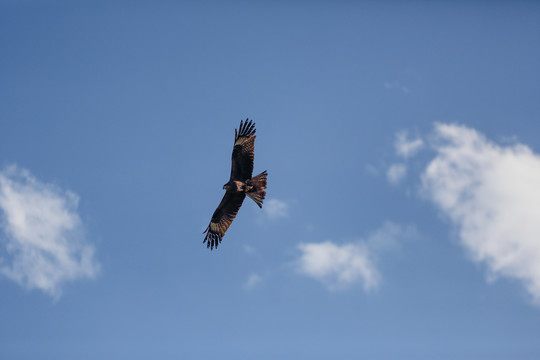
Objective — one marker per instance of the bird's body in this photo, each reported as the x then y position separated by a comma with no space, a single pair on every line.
240,185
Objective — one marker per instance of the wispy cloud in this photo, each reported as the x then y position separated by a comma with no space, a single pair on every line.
275,208
396,173
340,266
253,280
41,233
492,194
406,147
371,169
396,85
249,249
391,236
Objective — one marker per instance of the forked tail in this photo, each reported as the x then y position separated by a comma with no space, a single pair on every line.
257,193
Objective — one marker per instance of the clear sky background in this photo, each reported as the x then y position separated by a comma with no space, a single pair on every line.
402,217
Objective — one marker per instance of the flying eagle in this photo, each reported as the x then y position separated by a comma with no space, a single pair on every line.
240,184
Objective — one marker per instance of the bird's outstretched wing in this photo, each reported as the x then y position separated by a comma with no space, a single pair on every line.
222,218
242,155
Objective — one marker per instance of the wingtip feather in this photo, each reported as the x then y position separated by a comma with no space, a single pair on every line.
247,128
211,239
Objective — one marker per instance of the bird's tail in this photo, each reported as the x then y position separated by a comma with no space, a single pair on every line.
257,193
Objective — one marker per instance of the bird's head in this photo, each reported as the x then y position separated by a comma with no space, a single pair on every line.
226,186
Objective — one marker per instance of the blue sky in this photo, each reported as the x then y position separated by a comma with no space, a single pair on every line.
401,140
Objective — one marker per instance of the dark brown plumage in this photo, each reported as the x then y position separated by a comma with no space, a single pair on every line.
240,184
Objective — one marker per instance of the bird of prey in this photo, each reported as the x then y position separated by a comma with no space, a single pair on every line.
240,184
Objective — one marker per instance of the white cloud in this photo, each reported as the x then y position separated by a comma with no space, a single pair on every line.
396,173
41,234
275,208
406,147
492,194
340,266
252,280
